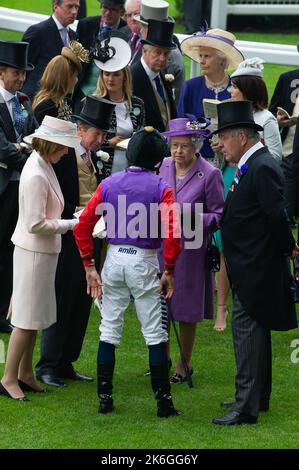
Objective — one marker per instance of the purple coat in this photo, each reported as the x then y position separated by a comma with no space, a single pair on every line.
193,298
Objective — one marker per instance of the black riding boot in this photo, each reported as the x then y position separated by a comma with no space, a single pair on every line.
105,375
161,389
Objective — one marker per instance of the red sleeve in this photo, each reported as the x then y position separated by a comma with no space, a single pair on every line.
171,222
83,230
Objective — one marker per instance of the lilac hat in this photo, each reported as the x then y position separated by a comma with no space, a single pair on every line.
187,127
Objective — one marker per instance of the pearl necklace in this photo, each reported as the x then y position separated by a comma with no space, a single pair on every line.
217,87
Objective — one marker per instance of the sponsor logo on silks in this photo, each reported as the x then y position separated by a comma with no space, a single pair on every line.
128,251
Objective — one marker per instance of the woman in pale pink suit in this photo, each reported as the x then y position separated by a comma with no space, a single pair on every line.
37,240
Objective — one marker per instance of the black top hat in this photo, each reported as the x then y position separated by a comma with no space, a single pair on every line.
15,54
235,114
113,3
160,34
147,148
96,112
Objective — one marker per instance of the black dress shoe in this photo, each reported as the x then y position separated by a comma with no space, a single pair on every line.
5,326
74,375
51,379
27,388
234,417
5,393
264,406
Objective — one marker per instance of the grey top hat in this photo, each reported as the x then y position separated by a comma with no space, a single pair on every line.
15,54
153,10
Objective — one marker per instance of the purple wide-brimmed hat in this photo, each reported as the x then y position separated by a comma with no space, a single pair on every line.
187,127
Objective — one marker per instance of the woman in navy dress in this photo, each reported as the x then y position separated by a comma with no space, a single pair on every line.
215,52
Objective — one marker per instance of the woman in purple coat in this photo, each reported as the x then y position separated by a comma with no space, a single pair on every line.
194,181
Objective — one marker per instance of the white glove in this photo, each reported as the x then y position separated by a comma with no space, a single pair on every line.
73,223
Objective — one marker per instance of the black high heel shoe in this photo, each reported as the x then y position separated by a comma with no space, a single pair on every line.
5,393
27,388
177,378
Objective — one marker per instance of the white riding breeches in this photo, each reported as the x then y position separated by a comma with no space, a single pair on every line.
129,270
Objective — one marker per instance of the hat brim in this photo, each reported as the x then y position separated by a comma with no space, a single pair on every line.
205,134
190,48
245,124
89,122
66,140
145,23
123,144
28,68
121,58
171,45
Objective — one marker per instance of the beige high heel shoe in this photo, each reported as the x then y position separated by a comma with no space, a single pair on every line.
222,314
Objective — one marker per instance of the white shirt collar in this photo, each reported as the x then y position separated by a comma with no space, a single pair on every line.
7,96
82,150
149,72
249,152
58,24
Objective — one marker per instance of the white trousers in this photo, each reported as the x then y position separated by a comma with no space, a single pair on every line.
129,270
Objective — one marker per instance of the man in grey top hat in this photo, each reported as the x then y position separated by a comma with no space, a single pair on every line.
16,121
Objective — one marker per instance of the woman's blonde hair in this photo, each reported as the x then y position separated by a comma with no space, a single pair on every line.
101,89
56,81
45,147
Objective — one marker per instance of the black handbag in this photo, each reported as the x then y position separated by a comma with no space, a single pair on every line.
213,256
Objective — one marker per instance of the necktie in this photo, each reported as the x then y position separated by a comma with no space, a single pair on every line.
160,88
64,36
237,176
105,32
19,119
134,42
85,157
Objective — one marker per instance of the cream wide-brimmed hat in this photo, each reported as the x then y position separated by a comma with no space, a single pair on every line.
56,130
217,39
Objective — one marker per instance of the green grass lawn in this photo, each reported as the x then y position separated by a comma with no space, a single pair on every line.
68,418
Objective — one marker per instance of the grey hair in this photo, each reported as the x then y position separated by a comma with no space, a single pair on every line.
147,47
252,134
223,57
196,141
128,3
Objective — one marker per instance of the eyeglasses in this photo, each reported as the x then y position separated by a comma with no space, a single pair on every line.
130,15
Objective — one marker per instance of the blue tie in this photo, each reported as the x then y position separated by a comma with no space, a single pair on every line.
160,88
18,116
105,33
64,36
